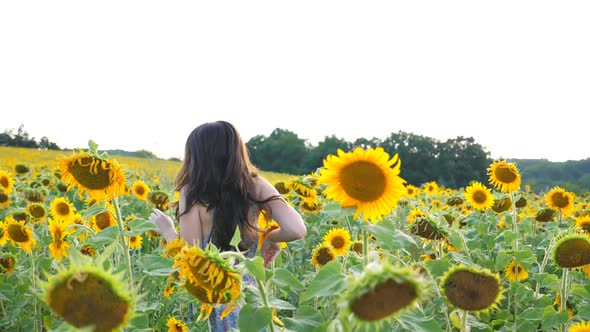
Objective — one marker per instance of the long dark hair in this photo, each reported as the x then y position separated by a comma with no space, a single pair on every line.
217,172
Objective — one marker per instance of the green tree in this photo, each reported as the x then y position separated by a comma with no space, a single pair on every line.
282,151
330,145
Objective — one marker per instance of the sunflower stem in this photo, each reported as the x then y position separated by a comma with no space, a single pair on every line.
516,267
123,242
33,280
365,248
541,270
266,302
563,290
464,323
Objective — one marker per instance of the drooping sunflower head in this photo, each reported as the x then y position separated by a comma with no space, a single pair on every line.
502,204
479,196
6,182
34,196
88,250
504,176
471,288
572,249
520,202
209,278
6,265
415,214
431,188
339,238
174,325
21,169
19,234
102,179
310,207
545,215
381,292
37,212
159,198
367,179
88,296
455,201
559,199
427,228
281,188
140,189
512,272
322,254
62,210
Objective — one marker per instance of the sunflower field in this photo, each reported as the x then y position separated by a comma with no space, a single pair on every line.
78,251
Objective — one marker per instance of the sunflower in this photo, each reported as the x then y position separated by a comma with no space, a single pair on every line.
411,191
4,200
100,178
3,234
322,254
511,272
502,204
6,182
140,190
281,187
209,278
583,222
381,292
168,290
304,191
357,246
174,247
34,196
339,238
160,199
104,219
19,234
472,289
21,169
88,250
37,212
135,242
59,246
455,201
87,296
267,224
580,327
415,214
174,325
479,196
544,215
427,228
559,199
365,179
310,208
431,188
572,249
62,210
504,176
6,265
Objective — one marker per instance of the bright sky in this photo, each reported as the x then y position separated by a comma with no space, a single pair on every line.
514,75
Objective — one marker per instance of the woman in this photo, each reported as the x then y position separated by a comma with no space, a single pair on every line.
219,191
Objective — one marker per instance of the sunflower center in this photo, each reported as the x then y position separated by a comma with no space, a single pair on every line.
471,291
324,256
337,242
103,220
88,299
4,182
573,253
17,233
560,200
139,190
505,174
62,209
3,197
90,174
384,300
363,181
37,211
479,196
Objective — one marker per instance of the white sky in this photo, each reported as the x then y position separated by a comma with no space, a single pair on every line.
515,75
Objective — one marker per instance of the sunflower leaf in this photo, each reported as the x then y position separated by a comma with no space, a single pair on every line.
139,226
254,319
329,281
156,265
256,267
106,236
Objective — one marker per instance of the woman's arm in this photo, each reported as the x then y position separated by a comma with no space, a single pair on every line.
291,224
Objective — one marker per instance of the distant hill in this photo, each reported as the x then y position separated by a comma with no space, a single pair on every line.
542,174
138,154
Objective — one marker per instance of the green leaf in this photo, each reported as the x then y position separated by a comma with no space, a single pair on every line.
93,211
306,318
552,318
139,226
389,237
280,304
285,279
156,265
253,319
256,267
92,147
235,240
547,280
534,314
502,260
328,281
106,236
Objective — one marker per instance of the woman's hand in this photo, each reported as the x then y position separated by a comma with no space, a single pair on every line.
165,225
269,251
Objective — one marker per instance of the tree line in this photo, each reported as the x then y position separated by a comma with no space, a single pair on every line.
452,163
22,139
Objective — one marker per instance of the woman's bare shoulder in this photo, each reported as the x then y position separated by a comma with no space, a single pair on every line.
261,189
